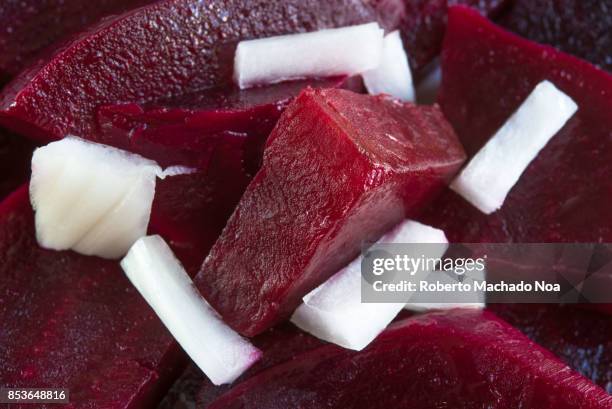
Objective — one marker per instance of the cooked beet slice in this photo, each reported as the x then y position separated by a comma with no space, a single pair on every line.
279,344
31,25
423,22
76,322
163,50
15,157
564,195
578,27
469,358
582,339
339,169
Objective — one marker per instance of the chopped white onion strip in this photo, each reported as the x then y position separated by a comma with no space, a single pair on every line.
219,351
334,311
392,76
494,170
92,198
324,53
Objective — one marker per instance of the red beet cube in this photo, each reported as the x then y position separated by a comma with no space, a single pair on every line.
339,169
470,359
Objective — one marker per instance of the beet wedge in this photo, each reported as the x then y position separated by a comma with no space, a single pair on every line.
564,194
31,25
582,339
76,322
339,169
578,27
163,50
471,359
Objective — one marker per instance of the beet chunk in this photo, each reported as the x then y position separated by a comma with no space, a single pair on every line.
578,27
76,322
219,134
582,339
469,358
564,194
31,25
339,169
163,50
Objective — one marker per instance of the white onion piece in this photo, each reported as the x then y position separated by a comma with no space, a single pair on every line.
324,53
392,76
334,311
219,351
92,198
494,170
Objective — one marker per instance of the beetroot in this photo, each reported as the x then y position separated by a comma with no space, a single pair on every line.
225,146
76,322
339,169
564,195
578,27
30,25
423,22
582,339
163,50
469,358
15,155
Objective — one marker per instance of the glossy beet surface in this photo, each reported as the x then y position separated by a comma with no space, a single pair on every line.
339,168
565,194
469,359
582,339
15,155
76,322
423,22
31,25
167,49
578,27
279,344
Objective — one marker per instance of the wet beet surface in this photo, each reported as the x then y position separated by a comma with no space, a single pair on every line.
339,169
469,358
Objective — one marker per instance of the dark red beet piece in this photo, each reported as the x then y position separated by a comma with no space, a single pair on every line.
279,344
163,50
578,27
423,22
339,169
582,339
565,194
468,359
15,156
31,25
225,146
76,322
